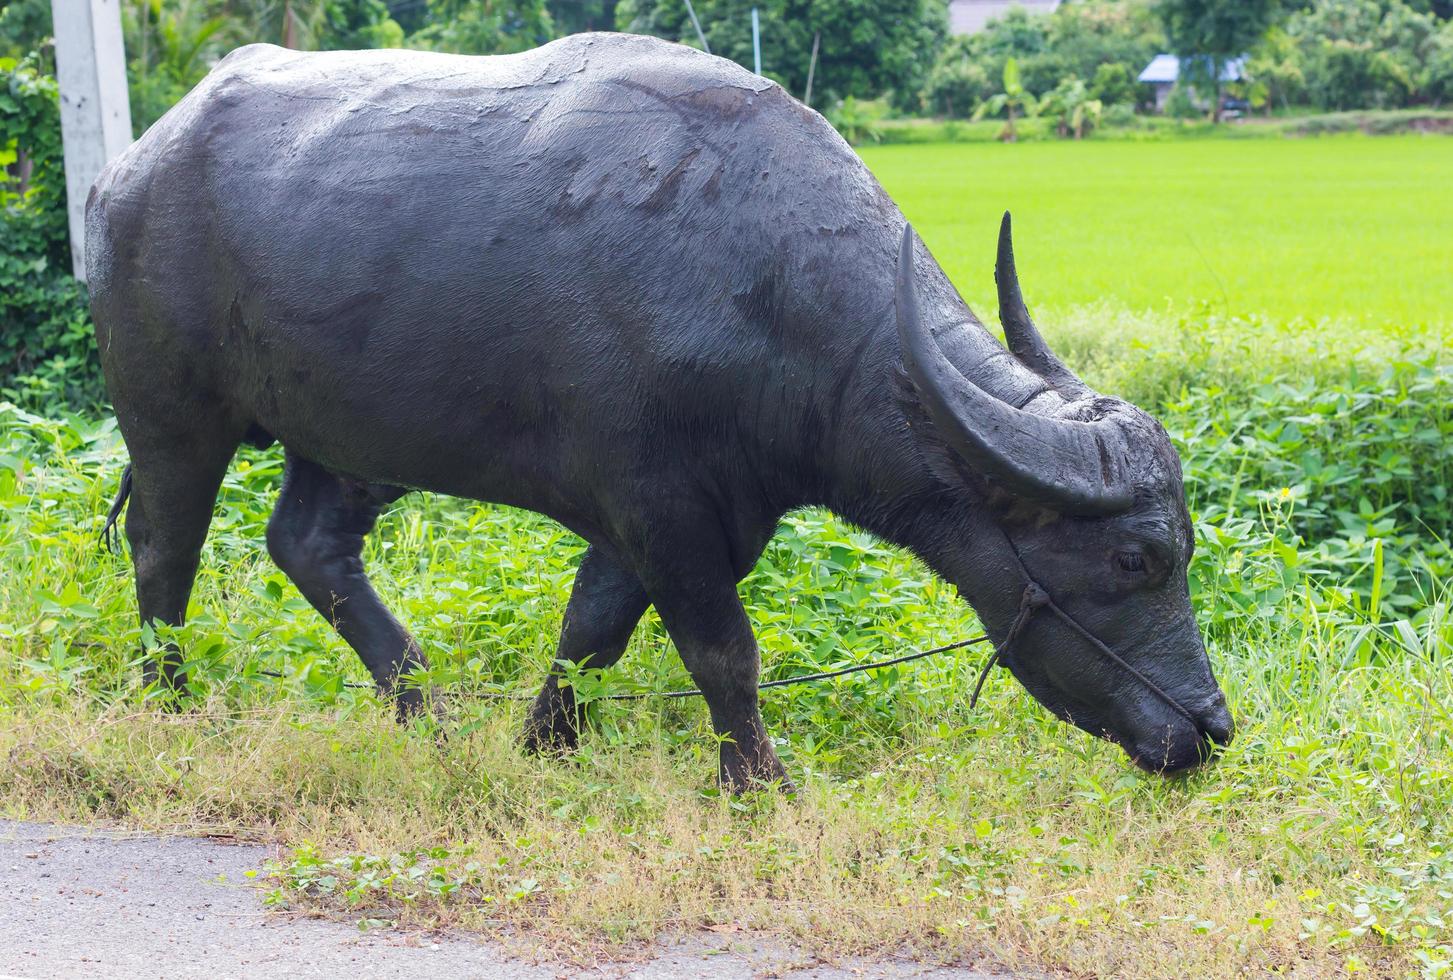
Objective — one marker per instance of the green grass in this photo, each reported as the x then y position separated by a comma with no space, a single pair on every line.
1347,228
1317,469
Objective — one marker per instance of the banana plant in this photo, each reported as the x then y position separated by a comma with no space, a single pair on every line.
1015,100
173,45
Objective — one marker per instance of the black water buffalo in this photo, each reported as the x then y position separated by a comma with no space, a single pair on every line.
642,291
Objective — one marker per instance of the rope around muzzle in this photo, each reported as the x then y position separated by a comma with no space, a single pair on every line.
1031,599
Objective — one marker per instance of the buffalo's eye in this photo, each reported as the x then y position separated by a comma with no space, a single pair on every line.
1130,561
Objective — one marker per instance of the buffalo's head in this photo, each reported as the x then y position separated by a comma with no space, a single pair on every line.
1083,496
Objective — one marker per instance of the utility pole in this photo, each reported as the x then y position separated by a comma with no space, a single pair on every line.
756,42
95,114
811,69
700,34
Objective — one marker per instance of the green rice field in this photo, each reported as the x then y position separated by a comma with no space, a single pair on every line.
1351,228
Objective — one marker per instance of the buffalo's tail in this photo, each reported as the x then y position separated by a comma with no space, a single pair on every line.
110,536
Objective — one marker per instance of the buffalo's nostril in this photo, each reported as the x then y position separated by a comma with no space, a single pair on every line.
1218,725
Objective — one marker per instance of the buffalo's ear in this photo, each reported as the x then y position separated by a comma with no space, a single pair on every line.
1070,466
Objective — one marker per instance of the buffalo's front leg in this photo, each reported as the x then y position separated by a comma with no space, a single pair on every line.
316,537
605,605
693,586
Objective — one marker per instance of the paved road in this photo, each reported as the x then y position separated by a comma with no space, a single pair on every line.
84,903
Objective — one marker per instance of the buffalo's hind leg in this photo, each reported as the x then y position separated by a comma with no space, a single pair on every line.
605,604
174,484
316,537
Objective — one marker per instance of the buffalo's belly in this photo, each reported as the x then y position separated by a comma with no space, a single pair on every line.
467,419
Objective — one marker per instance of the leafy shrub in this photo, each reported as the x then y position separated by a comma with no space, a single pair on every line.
1121,114
956,84
859,120
1340,416
1114,84
866,51
47,348
1344,482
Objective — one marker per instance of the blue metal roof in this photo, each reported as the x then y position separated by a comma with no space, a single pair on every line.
1167,68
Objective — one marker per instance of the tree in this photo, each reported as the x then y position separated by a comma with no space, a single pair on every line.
1083,37
351,24
1013,100
1359,53
485,26
1108,41
1206,34
171,49
958,82
24,26
575,16
1440,65
1275,64
868,48
1114,84
1025,38
291,23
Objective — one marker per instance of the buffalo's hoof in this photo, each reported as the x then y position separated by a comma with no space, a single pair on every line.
741,775
170,700
551,734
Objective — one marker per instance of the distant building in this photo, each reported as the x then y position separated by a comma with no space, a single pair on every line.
1164,71
972,16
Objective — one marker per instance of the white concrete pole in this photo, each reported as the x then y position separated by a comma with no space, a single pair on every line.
95,114
756,42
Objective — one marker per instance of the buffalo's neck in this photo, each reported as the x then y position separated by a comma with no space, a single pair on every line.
884,476
903,498
875,462
844,431
902,488
858,445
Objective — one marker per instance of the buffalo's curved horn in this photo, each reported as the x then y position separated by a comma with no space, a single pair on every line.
1076,467
1019,330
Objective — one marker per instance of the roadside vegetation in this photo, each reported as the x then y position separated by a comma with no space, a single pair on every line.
865,124
1316,444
